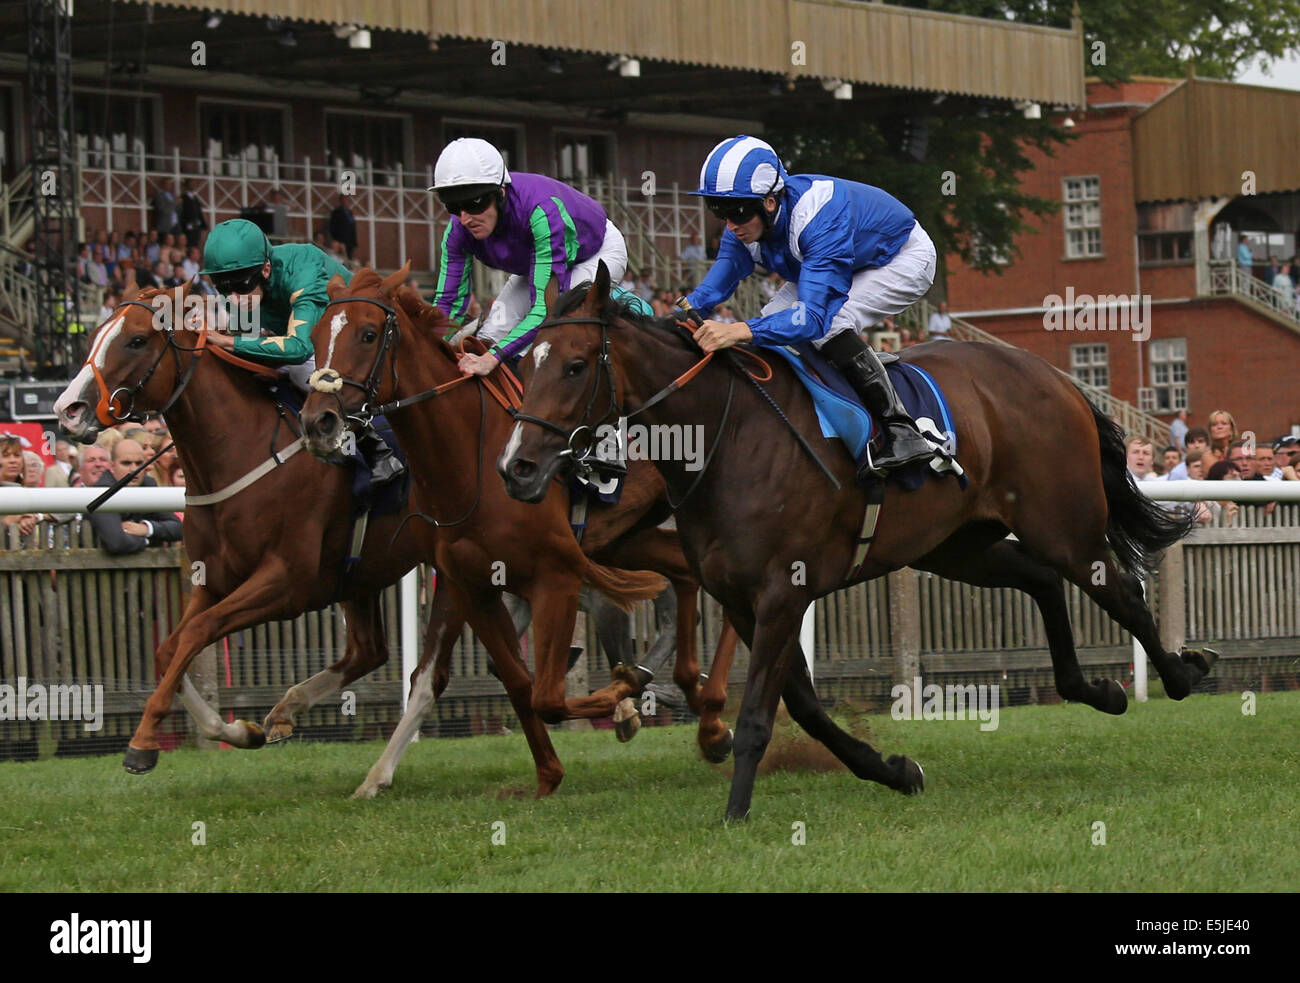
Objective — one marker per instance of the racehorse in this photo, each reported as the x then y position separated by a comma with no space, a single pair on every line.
263,556
486,541
758,510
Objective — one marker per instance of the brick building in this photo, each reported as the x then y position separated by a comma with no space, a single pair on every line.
1161,180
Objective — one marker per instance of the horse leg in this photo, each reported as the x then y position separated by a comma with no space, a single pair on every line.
713,698
900,773
492,623
258,599
775,646
614,633
367,650
446,618
1119,594
1008,564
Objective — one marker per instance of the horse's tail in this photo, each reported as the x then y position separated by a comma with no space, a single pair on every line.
624,587
1138,528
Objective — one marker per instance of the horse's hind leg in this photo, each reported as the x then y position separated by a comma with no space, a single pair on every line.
1008,564
900,773
367,650
1119,594
446,618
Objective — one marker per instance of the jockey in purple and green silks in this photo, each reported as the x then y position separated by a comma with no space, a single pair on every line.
531,226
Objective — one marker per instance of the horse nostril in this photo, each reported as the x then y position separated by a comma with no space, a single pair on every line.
522,469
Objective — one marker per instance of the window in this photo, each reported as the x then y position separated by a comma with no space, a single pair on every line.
504,137
1082,217
256,133
120,126
364,142
1165,248
1090,364
579,155
1169,375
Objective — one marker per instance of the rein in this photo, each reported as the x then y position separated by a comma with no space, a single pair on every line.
578,442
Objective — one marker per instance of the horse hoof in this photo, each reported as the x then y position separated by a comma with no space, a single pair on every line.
1114,699
1200,661
718,752
627,721
277,732
912,778
368,791
253,734
139,762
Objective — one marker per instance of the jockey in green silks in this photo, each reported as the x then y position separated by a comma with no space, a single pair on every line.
289,282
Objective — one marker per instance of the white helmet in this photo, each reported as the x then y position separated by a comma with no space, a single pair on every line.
469,162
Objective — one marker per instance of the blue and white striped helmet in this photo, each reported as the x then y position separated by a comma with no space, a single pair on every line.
741,167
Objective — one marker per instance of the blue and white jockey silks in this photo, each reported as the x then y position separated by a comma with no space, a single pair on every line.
851,254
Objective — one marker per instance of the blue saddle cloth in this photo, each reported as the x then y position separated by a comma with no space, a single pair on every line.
841,414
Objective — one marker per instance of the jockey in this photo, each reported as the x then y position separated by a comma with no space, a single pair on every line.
851,255
291,281
528,225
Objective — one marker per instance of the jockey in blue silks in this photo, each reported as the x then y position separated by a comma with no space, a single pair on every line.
851,255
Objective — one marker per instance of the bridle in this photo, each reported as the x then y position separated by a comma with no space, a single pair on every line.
118,406
328,380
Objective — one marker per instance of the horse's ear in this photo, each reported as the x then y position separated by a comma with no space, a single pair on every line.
336,287
598,295
131,293
391,283
551,295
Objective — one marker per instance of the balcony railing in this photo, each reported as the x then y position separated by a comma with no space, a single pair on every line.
1228,279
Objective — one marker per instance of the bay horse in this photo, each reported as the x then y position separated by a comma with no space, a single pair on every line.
379,331
759,510
263,556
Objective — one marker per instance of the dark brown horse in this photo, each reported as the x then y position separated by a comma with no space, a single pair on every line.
760,510
378,344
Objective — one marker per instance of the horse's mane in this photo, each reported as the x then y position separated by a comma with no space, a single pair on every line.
622,308
426,317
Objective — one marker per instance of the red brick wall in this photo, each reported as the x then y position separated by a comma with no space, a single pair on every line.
1233,356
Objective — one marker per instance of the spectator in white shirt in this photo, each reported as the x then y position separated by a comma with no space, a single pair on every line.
1266,463
940,322
1178,431
1141,459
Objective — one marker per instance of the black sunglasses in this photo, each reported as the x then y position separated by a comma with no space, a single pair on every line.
238,282
738,210
474,206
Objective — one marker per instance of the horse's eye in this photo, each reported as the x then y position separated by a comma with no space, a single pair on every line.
369,335
136,342
574,369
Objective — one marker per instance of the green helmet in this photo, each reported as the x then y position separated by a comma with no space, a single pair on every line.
235,245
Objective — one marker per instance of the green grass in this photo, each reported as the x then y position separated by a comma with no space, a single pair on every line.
1195,797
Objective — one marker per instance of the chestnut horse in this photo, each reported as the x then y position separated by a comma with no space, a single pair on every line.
759,509
263,557
378,343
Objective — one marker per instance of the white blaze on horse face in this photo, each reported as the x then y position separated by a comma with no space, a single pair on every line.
337,323
516,438
86,376
540,353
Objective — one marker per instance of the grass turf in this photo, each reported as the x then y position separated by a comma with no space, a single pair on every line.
1195,796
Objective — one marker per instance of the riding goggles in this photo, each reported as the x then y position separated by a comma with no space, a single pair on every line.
473,206
737,210
238,281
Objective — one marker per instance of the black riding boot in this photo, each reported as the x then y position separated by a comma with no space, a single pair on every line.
384,464
902,443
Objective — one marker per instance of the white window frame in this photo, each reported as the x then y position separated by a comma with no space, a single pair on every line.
286,125
1082,214
1084,365
157,115
408,153
581,131
1169,393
